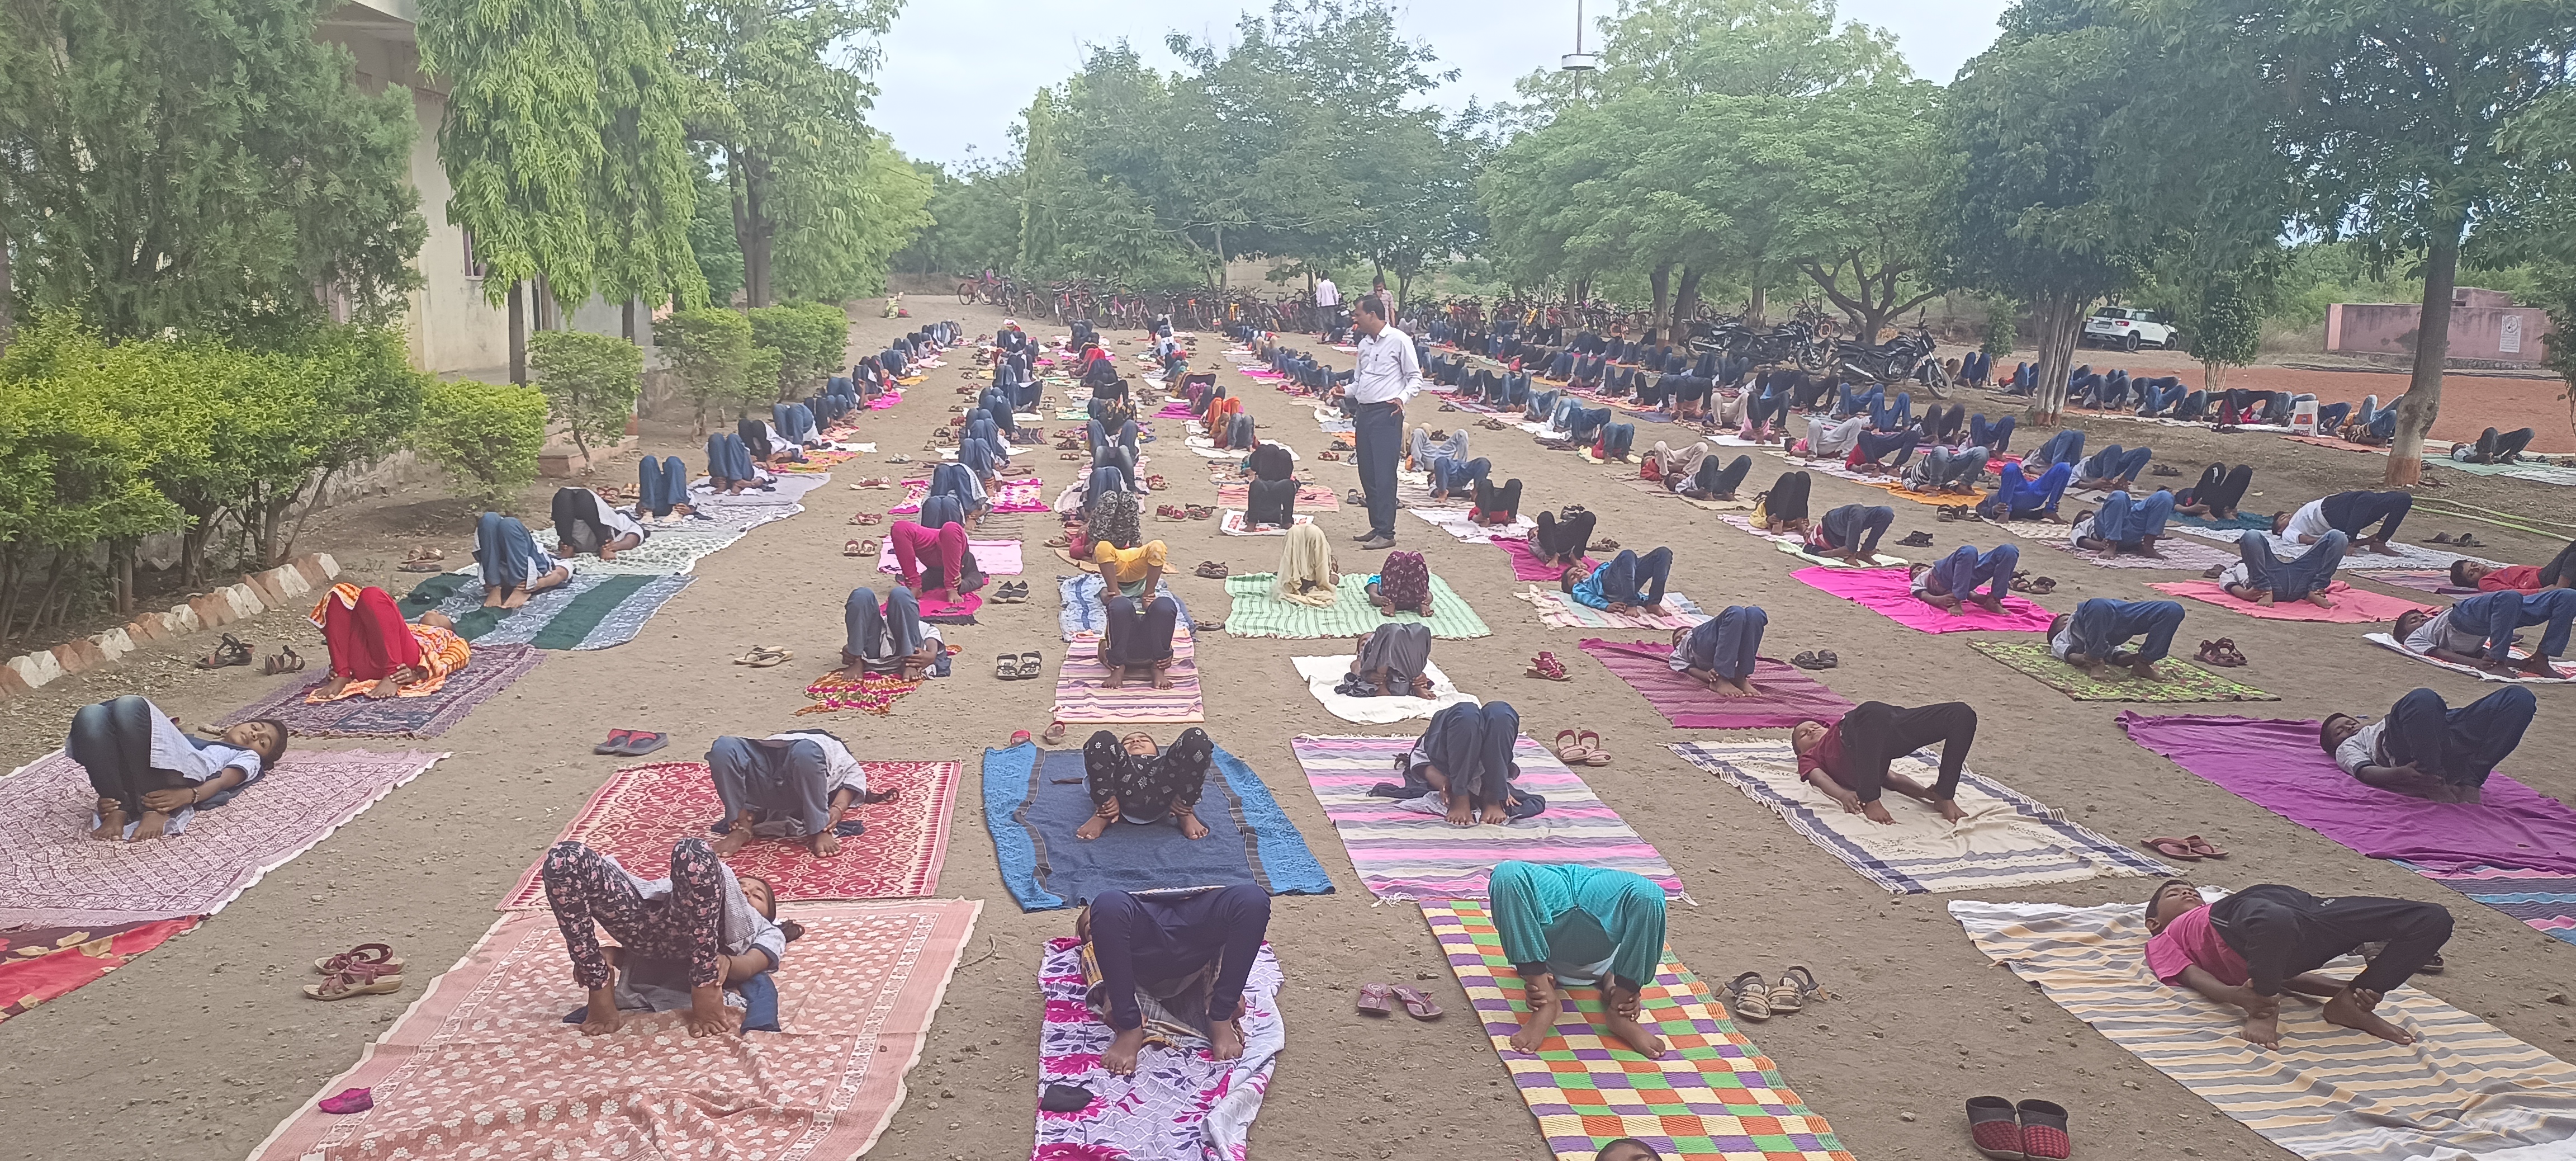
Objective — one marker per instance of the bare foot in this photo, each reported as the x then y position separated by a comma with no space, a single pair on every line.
1093,827
2146,671
1744,687
111,820
2263,1030
338,685
1460,811
825,844
391,684
154,822
1540,1025
492,599
1225,1040
1191,827
1991,603
601,1019
1163,674
1116,676
1120,1057
2351,1008
1493,815
516,598
736,839
1646,1043
2320,600
1950,811
1877,812
707,1013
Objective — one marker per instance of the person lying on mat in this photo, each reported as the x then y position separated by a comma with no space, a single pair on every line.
2263,578
1720,652
1402,584
1850,533
2248,948
1570,926
1951,582
513,567
2479,630
1848,760
1782,511
1461,767
1137,635
888,640
2559,573
2113,468
2348,513
585,522
2434,751
1392,662
374,653
1129,570
2020,496
787,786
1158,941
1561,537
150,774
939,558
1130,779
1628,583
2090,637
662,489
2218,492
2124,524
720,927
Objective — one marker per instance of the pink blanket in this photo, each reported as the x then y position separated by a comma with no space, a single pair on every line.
1020,495
1788,696
2352,606
2276,765
1525,564
1884,591
886,400
1176,409
995,557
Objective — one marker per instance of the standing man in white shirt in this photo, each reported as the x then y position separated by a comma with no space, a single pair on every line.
1388,375
1328,304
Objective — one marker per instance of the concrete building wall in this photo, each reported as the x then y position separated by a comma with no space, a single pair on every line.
2510,334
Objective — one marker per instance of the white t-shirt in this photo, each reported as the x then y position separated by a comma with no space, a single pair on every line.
2366,747
2064,642
2235,576
618,520
1327,294
740,928
2077,531
2437,633
2309,520
839,768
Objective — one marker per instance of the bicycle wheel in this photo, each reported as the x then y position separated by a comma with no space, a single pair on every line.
966,294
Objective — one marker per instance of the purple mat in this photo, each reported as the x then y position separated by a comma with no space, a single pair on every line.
1790,696
1885,591
493,668
2420,580
2276,765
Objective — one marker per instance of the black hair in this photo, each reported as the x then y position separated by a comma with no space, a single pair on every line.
270,755
2323,742
788,928
1373,307
2460,578
2159,892
1651,1153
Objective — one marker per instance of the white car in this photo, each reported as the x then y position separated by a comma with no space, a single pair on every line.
2129,328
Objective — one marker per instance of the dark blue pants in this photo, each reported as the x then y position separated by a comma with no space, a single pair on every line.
727,458
1858,527
2103,624
661,483
1158,940
2125,519
2065,447
2116,464
865,625
2350,512
2020,496
1727,643
506,553
1959,573
2293,579
1628,573
2459,746
2496,615
1995,437
1377,437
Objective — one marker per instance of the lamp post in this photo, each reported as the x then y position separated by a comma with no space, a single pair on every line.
1578,62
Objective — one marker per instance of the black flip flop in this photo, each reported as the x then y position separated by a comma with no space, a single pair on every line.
643,742
616,743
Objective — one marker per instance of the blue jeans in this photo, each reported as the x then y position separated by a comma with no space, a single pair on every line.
2496,616
1583,423
1959,574
661,483
794,420
1627,572
2103,624
1727,643
508,555
1995,437
2459,746
2156,400
1377,438
2330,417
2116,465
865,626
1617,439
727,458
1858,527
1112,476
2381,422
938,512
2020,496
1450,476
1542,406
2124,519
1851,402
2065,447
2295,579
1097,434
1889,414
953,480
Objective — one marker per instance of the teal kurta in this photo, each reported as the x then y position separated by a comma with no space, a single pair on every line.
1571,917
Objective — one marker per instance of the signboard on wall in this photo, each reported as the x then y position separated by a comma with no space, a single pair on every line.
2509,336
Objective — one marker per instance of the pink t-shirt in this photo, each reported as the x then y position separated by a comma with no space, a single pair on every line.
2191,940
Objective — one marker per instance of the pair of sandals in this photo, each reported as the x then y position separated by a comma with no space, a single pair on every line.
2023,582
369,969
1752,997
1581,748
231,651
2222,653
286,660
868,547
1819,659
1019,667
1373,998
1213,569
423,558
2190,848
1155,484
631,743
1546,666
1916,539
1009,593
872,482
1949,512
868,519
765,656
1184,511
2463,540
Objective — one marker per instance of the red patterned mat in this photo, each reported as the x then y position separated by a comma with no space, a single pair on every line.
44,963
644,809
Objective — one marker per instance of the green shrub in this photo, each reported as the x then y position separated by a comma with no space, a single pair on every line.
811,339
486,435
1999,331
760,377
590,382
710,350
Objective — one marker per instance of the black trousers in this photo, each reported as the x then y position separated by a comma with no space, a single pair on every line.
112,740
1504,501
1272,502
1787,499
1875,733
2222,487
1563,535
2560,568
2283,931
1721,481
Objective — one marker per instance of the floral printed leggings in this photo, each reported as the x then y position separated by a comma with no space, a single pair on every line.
586,887
1148,788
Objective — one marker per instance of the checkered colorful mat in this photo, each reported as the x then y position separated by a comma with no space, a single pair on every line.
1713,1095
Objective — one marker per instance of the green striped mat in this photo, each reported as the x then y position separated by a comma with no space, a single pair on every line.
2183,681
591,611
1258,614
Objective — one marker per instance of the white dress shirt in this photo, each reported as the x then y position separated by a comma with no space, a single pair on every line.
1388,372
1327,294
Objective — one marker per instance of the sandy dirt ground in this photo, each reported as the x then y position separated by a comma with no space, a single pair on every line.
196,1050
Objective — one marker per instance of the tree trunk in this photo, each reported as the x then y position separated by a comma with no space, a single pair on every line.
2432,348
121,554
2058,317
753,232
518,333
8,316
627,324
1685,306
1761,304
1661,278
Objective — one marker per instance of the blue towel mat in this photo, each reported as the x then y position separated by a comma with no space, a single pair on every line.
1082,614
1032,812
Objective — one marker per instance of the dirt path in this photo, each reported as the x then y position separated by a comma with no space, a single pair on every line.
198,1049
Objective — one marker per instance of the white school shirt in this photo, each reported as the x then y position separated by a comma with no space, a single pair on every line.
2064,642
839,768
618,521
1388,372
2437,633
2236,575
2368,746
172,750
2309,520
1327,294
2077,531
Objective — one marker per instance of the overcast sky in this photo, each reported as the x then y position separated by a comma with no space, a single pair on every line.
958,71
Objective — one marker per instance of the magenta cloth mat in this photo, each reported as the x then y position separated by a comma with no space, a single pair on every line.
953,612
2352,606
1789,696
886,400
1175,409
2276,765
1884,591
995,557
1525,565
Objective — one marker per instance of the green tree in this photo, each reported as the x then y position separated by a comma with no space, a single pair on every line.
810,339
763,379
2225,324
590,383
198,165
484,435
710,349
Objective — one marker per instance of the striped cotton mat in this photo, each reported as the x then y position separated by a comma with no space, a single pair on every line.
2007,840
590,611
1081,698
1258,614
2463,1090
1403,852
1557,611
